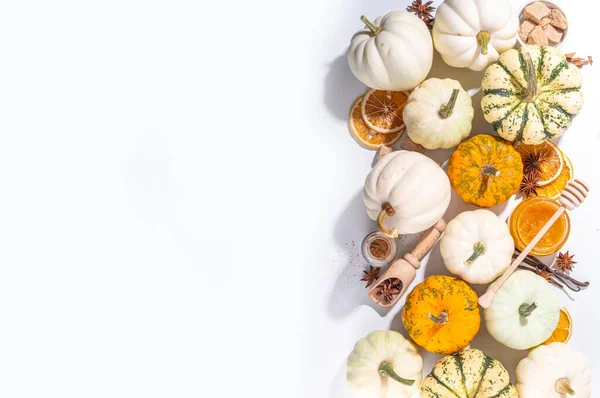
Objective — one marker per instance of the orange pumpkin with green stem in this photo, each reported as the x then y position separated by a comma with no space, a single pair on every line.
441,314
485,170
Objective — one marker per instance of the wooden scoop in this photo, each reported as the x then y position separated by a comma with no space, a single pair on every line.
405,268
571,197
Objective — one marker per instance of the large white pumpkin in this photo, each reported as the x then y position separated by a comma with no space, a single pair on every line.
554,371
473,33
394,53
477,246
413,186
438,114
524,312
384,365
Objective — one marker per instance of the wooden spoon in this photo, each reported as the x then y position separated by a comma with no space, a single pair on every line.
405,268
571,197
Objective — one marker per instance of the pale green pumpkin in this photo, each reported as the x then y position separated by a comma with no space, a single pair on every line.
384,364
531,94
524,312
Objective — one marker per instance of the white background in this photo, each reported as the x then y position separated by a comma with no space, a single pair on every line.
180,211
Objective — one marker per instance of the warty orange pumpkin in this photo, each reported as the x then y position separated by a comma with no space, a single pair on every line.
485,170
441,314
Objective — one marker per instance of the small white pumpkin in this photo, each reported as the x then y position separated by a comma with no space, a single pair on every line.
524,312
438,114
473,33
394,53
477,246
554,371
408,191
384,365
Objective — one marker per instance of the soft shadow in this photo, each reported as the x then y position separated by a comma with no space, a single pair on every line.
480,125
338,388
508,357
429,359
468,79
558,140
440,156
353,224
348,293
341,88
435,265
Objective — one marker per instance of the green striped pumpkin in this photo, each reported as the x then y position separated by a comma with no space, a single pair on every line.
531,94
468,374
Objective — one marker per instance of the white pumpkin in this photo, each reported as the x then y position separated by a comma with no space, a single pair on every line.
384,365
554,371
407,191
473,33
438,114
524,312
477,246
394,53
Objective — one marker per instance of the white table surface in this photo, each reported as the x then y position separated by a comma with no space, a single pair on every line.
180,212
339,311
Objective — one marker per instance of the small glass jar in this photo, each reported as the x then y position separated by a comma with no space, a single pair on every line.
529,217
379,249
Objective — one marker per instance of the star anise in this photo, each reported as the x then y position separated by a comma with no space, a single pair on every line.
565,262
371,275
534,160
388,289
429,22
559,279
529,184
546,275
423,11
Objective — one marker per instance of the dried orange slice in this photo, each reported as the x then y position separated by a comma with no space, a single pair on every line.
554,189
382,110
563,331
363,134
545,159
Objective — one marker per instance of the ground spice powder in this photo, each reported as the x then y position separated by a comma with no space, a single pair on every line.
379,248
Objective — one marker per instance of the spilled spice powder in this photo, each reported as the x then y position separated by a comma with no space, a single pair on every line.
379,248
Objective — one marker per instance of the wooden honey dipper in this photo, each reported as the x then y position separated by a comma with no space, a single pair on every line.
405,268
571,197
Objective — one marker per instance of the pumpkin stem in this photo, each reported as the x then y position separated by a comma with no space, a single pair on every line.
386,370
526,309
386,211
441,319
478,249
490,171
531,92
374,29
446,109
483,39
563,386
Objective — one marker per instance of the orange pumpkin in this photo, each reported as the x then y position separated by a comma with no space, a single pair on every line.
485,170
441,314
